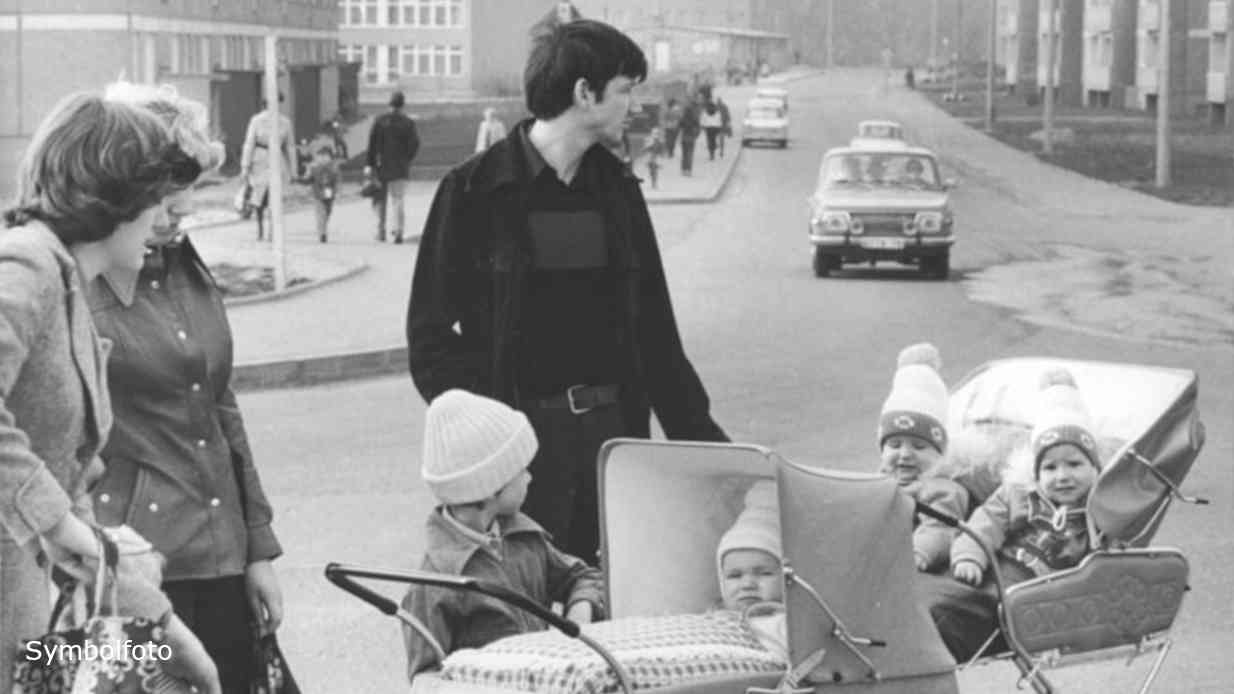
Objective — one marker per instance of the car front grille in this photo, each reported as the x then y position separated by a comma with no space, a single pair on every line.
884,224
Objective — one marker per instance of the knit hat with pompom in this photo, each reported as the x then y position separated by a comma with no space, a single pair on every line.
917,404
1061,417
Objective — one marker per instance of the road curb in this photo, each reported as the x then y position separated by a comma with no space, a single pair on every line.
298,289
710,196
298,372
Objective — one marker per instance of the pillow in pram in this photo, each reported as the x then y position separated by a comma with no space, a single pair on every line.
656,652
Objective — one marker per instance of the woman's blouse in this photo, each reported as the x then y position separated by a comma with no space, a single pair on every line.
178,442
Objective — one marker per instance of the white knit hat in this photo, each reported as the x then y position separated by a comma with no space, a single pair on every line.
756,527
473,446
917,404
1061,418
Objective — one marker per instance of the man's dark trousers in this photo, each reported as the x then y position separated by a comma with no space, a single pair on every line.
670,141
687,153
562,496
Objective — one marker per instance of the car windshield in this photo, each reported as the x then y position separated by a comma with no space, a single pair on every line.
880,130
880,168
764,112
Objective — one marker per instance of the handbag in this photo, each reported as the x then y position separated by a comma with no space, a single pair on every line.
372,188
243,200
105,653
270,672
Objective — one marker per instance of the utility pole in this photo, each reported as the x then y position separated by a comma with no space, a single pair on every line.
934,33
959,32
1047,111
1163,97
991,47
274,154
831,34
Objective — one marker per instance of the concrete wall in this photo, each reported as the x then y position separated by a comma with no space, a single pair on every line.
1027,16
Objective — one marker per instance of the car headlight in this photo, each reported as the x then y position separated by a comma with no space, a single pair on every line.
928,222
832,222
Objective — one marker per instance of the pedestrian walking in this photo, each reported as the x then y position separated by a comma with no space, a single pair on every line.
255,159
392,146
654,150
90,188
712,123
539,282
671,123
690,129
726,124
178,464
491,130
323,177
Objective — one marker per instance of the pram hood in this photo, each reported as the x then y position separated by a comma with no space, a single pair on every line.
1145,415
664,506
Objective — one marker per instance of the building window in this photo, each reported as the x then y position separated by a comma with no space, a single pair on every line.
429,61
392,63
455,66
351,54
370,65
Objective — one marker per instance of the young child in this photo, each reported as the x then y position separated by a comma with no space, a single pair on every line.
749,558
654,149
1040,528
912,440
476,452
323,175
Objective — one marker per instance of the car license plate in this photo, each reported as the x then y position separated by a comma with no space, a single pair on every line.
883,244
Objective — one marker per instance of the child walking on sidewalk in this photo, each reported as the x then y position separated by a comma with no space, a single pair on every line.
324,175
654,150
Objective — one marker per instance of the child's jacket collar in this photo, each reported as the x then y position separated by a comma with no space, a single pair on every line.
449,549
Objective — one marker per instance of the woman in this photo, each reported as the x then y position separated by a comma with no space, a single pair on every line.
179,468
712,123
255,159
89,189
491,130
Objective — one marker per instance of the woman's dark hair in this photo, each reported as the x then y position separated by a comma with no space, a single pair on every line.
582,49
93,164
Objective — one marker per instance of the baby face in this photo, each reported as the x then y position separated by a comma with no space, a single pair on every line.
908,458
750,576
1066,474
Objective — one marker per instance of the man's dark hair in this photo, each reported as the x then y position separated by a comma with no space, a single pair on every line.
585,49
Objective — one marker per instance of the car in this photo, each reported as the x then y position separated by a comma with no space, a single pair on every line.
765,121
874,205
774,93
886,134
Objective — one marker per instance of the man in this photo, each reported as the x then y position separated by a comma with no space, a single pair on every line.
690,127
539,282
392,145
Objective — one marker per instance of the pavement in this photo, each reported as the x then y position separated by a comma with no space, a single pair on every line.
314,332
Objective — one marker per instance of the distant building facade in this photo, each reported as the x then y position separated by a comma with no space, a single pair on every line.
1219,77
1109,51
212,51
438,49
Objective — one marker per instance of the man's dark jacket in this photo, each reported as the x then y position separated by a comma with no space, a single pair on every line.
392,145
471,280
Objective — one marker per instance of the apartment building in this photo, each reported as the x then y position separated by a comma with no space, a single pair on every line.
1109,51
1189,55
211,50
1219,78
1068,49
438,49
731,14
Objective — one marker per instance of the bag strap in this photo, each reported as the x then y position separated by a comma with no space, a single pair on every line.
109,559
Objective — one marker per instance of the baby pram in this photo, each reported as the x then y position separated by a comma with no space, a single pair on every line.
853,616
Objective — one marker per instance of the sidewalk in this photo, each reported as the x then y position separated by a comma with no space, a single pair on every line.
349,321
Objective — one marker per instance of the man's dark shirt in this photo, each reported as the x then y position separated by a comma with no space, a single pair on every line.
569,330
392,145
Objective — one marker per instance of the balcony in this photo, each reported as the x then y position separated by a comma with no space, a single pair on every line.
1097,18
1097,77
1043,20
1218,16
1216,88
1149,16
1146,79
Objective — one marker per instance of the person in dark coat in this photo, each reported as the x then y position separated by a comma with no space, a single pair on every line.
392,146
539,283
690,129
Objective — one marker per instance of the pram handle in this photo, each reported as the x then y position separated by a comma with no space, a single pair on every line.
340,575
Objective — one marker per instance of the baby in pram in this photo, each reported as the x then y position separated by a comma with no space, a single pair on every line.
476,453
749,557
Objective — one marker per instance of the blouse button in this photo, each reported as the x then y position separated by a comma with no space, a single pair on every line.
154,284
196,387
104,497
182,335
215,502
153,507
201,443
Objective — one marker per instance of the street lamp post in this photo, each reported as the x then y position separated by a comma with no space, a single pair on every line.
1163,97
274,156
1047,110
991,47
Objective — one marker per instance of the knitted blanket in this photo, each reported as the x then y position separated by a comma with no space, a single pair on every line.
656,652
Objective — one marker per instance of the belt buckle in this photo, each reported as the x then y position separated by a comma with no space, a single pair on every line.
574,409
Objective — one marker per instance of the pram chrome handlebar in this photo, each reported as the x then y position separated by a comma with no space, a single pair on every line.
341,576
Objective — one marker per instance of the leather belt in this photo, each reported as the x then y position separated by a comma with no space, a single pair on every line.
579,399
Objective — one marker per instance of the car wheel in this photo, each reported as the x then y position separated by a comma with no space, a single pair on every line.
937,267
824,263
783,144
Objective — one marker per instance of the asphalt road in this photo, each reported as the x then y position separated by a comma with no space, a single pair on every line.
792,362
